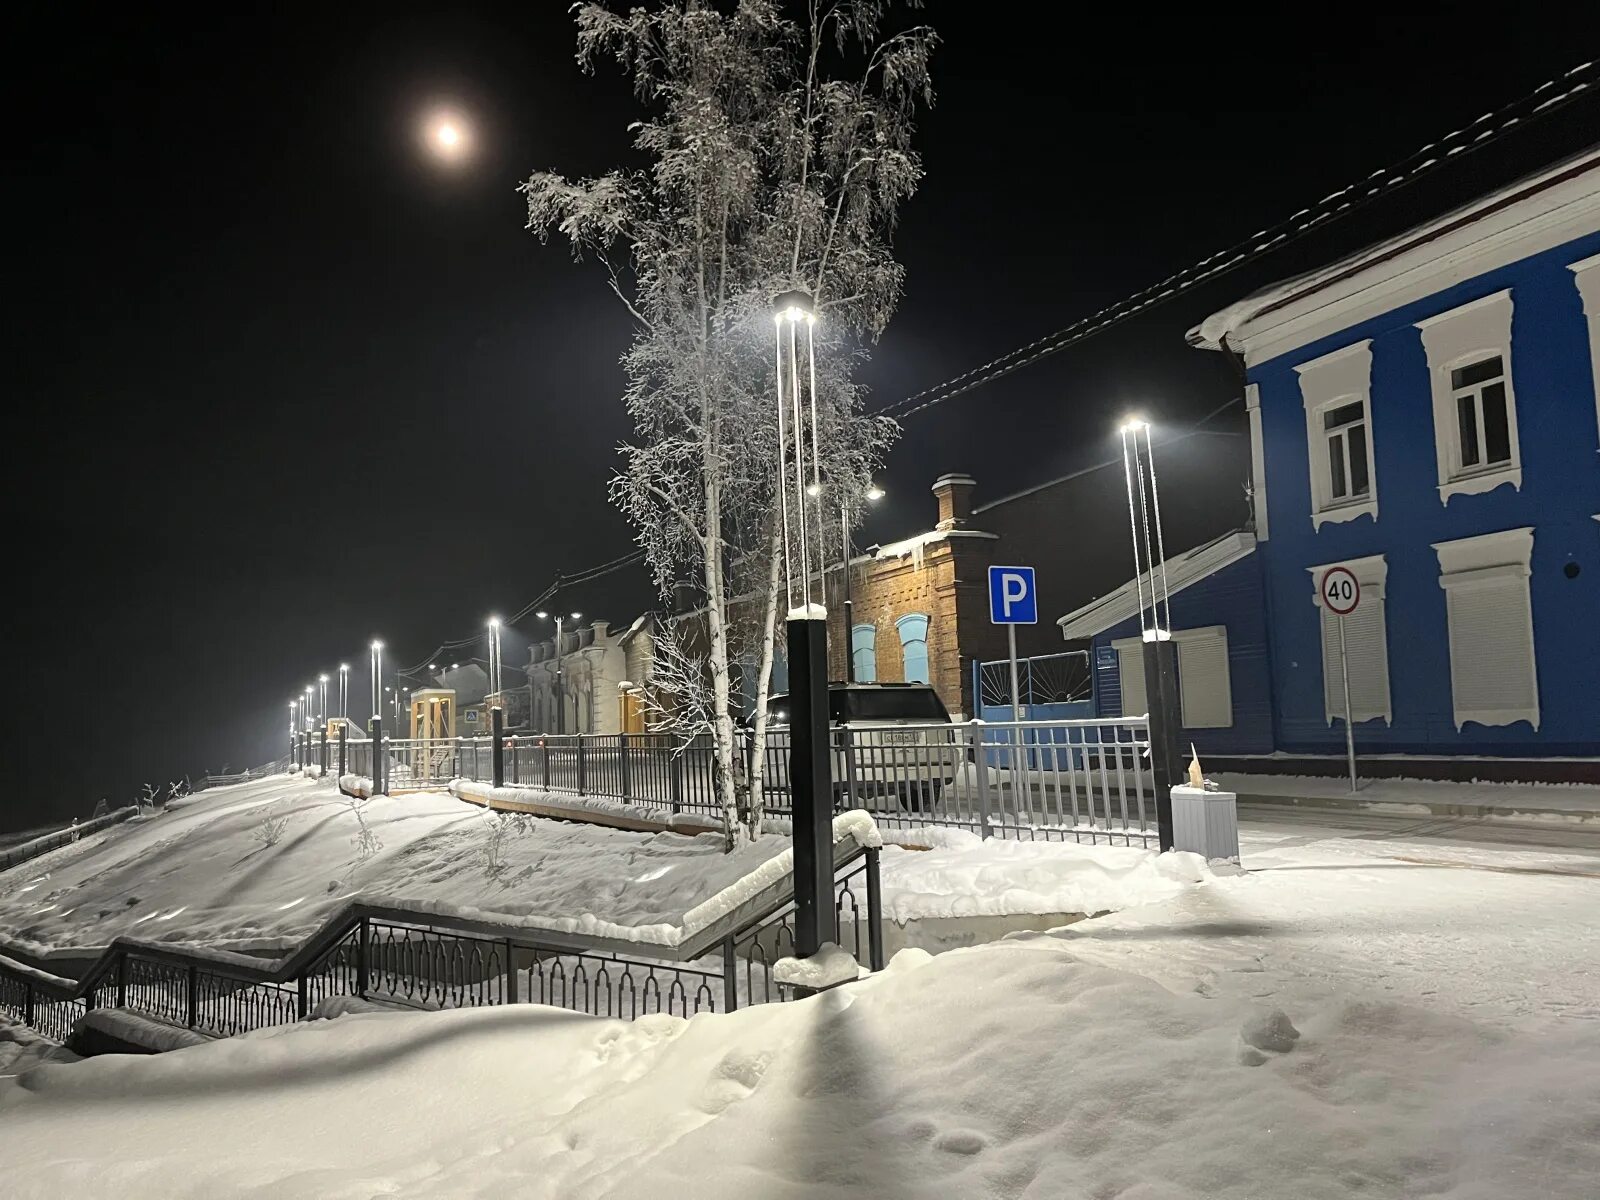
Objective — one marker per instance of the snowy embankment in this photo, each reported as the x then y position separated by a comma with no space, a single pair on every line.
1010,1070
258,867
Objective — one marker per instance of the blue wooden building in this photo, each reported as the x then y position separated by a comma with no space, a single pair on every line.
1424,413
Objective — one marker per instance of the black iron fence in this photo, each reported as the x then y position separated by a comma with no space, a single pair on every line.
427,961
1080,780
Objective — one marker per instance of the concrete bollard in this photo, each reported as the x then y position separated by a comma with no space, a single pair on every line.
1206,823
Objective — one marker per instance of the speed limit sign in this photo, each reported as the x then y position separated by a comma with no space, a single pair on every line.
1340,590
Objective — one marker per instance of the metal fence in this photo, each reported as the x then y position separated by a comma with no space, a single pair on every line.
43,844
427,961
1077,780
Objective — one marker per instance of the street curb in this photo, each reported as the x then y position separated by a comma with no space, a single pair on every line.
1437,808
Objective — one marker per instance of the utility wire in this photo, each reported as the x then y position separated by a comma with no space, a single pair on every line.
1543,100
1485,130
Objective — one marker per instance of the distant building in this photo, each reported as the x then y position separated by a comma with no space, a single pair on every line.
1425,414
592,664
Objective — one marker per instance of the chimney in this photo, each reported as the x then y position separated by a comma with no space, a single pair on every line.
955,499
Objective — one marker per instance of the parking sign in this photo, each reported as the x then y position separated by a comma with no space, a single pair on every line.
1012,598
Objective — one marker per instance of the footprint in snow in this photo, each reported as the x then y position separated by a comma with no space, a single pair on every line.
961,1141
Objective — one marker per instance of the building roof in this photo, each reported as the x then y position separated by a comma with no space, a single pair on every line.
1182,570
1535,213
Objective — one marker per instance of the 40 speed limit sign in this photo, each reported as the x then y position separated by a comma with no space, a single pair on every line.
1341,591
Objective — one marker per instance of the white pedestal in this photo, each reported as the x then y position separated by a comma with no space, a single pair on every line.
1206,823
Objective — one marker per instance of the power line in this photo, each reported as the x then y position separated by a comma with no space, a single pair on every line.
1543,100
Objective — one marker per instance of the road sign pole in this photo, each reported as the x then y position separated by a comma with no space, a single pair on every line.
1016,716
1349,728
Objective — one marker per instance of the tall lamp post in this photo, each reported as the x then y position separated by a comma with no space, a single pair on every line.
494,662
561,704
1160,652
375,725
322,699
810,765
344,691
873,494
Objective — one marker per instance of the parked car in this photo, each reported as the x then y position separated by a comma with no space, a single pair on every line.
889,739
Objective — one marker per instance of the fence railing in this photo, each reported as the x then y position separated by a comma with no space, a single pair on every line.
1078,780
432,961
43,844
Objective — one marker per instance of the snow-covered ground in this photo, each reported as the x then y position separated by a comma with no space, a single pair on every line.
1010,1070
259,866
1363,1013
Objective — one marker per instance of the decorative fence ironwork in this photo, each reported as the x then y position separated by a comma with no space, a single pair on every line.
429,961
1064,780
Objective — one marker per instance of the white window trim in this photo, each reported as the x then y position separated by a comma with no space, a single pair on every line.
1489,559
1470,333
1342,377
1258,459
1372,573
1586,274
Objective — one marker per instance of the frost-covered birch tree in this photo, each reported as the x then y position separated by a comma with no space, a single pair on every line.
777,154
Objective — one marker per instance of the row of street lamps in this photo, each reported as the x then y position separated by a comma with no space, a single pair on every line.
308,713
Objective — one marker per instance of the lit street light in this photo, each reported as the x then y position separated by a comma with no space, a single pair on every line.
447,136
494,662
377,679
344,691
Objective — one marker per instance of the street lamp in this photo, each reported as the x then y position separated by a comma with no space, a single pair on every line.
377,678
1159,653
494,661
344,691
810,756
561,707
322,698
310,720
872,495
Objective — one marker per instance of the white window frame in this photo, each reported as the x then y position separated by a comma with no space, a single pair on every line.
1455,339
1333,381
1586,274
1490,560
1372,573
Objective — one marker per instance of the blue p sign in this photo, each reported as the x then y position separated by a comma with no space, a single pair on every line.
1012,599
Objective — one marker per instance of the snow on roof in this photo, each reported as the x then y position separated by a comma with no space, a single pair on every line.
1189,567
1561,201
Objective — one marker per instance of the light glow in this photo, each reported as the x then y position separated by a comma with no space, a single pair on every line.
447,136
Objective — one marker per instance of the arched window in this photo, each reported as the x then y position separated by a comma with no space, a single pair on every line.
864,652
913,630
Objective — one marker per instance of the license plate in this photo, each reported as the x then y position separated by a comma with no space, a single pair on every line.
906,737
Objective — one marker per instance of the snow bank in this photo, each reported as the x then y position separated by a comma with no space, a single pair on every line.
22,1049
1010,1070
262,868
581,806
830,966
966,875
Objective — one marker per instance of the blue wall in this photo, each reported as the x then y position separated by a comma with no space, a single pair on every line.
1554,388
1231,597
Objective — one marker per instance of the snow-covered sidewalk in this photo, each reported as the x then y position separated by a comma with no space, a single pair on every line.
1010,1070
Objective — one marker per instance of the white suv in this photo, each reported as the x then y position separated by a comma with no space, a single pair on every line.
889,739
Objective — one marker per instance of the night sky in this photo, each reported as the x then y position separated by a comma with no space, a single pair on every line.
279,384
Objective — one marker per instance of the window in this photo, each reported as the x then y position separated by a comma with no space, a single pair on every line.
1336,392
1483,434
1586,274
1485,581
1204,687
1205,691
1345,430
913,630
1130,674
864,652
1474,407
1366,646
